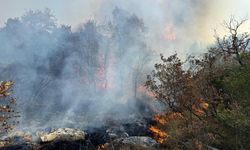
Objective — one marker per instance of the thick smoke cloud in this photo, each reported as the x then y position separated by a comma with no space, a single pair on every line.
84,74
186,20
190,21
80,78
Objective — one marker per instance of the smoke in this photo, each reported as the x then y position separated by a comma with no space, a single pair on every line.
93,71
75,79
190,21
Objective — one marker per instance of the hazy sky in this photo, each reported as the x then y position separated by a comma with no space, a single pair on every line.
190,20
75,11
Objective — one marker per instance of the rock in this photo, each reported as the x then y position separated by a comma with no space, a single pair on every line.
116,132
18,137
3,143
63,134
139,140
24,146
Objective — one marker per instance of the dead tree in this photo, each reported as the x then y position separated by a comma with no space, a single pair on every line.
234,43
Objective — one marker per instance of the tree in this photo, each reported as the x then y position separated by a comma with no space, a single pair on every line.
189,99
234,43
38,20
234,116
88,52
168,81
128,39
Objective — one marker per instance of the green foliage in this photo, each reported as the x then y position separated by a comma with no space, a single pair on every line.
237,84
233,116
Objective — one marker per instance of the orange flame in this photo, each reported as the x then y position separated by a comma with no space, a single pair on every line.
160,119
158,134
199,109
163,118
101,147
143,89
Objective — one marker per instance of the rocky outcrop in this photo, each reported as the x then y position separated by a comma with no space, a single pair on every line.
132,142
65,134
139,140
110,137
142,141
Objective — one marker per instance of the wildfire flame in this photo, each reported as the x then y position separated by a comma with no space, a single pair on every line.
158,134
163,118
200,109
169,33
101,147
160,119
143,89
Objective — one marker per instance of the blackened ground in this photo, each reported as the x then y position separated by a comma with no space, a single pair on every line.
94,137
56,145
68,145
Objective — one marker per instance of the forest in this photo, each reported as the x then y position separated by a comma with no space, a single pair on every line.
102,86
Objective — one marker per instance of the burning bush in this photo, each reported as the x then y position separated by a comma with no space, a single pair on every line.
205,104
189,99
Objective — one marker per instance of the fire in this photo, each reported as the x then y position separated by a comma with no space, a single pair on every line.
143,89
101,74
203,104
163,118
101,147
160,119
158,134
169,33
199,110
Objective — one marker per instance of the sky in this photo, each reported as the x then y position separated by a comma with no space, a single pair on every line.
187,21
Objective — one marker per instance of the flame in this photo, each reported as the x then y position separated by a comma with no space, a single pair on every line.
169,33
199,109
203,104
160,119
101,147
158,134
101,73
143,89
163,118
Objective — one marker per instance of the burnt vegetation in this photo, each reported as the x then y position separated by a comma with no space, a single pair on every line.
95,79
